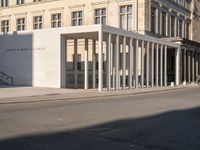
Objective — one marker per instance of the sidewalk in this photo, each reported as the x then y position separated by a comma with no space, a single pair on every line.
33,94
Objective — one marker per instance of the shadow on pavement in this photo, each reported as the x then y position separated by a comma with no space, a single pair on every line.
176,130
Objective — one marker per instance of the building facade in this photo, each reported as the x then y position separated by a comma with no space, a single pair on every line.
145,43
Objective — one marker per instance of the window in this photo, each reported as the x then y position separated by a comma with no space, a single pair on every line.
180,28
37,22
172,26
100,16
163,23
153,19
187,30
20,24
56,20
4,3
37,0
77,18
5,26
126,17
20,2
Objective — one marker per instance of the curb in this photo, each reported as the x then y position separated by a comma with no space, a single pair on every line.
90,97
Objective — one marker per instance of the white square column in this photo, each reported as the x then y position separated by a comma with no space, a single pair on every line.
136,63
161,65
63,48
108,57
75,64
86,65
100,78
193,66
178,52
152,65
197,65
157,64
124,64
117,63
147,64
142,64
94,64
165,65
130,64
189,66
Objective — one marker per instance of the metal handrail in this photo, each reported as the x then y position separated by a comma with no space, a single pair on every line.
7,77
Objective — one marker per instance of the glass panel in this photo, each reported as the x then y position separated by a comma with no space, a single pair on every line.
40,25
104,20
122,9
36,26
59,16
80,22
129,22
129,9
54,24
103,11
97,12
59,23
80,14
74,22
40,19
97,20
122,22
74,15
54,17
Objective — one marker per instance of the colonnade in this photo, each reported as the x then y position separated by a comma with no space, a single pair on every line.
191,67
131,62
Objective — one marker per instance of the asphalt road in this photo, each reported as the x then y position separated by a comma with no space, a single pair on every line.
158,121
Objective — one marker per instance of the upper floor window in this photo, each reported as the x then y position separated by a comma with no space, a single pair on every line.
126,17
164,23
37,0
172,26
180,28
153,19
100,16
77,18
21,24
5,26
187,30
37,22
56,20
20,2
4,3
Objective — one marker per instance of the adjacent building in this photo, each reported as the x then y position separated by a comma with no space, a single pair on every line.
116,44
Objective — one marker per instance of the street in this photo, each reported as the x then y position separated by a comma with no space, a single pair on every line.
156,121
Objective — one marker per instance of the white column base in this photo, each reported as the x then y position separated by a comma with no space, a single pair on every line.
185,83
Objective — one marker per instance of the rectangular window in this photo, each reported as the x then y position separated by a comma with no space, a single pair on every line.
187,30
36,0
19,2
21,24
126,17
5,26
37,22
164,23
56,20
172,26
153,19
100,16
4,3
77,18
180,28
